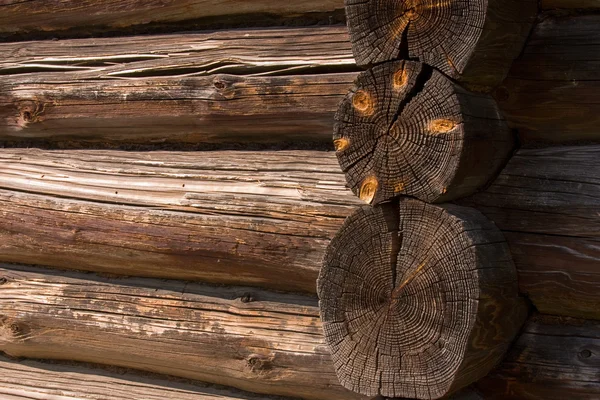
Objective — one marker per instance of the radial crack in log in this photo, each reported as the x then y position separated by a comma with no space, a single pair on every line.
421,308
471,40
405,129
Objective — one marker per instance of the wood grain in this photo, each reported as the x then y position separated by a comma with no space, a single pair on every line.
265,218
554,359
547,202
246,338
97,15
33,380
551,93
255,218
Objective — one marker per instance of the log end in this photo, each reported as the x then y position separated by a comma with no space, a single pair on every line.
417,300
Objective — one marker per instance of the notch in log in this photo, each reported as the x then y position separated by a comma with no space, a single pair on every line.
474,41
406,129
417,300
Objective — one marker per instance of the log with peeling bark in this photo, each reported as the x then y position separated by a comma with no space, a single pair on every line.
551,93
406,129
34,380
167,325
265,218
474,41
82,17
417,300
246,338
553,359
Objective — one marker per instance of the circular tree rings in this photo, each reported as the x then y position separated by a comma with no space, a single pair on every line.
470,40
417,300
406,129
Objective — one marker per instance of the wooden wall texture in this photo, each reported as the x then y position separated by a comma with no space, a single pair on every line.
201,265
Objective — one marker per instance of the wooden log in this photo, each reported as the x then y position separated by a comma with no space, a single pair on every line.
546,201
32,380
265,218
551,93
253,218
554,359
82,17
474,41
577,4
406,129
250,339
417,300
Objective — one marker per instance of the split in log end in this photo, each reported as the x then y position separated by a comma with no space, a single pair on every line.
417,300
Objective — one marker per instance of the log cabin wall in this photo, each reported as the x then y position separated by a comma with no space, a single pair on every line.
202,264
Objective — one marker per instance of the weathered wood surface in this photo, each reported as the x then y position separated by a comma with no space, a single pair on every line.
551,93
82,16
473,41
34,380
554,359
255,218
218,87
266,218
580,4
547,202
418,300
246,338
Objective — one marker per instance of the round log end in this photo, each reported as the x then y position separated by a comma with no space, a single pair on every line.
417,133
417,300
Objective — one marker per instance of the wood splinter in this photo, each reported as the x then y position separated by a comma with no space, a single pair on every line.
417,300
413,131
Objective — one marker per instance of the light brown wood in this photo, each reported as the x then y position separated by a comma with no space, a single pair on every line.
265,218
258,218
417,300
554,359
82,16
551,93
580,4
32,380
246,338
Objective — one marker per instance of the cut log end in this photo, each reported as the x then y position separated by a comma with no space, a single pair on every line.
471,40
417,300
407,127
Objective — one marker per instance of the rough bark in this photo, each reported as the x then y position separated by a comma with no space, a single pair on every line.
547,201
34,380
406,129
553,359
417,300
246,338
551,93
474,41
266,218
95,16
253,218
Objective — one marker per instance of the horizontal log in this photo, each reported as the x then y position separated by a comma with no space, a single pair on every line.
580,4
254,218
265,218
546,201
83,17
551,93
33,380
268,85
554,359
253,340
